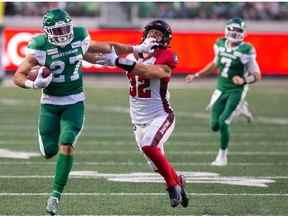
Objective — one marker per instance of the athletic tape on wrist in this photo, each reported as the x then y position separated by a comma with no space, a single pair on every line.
125,64
29,84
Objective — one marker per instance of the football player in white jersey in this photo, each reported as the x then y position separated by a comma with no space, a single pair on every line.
151,114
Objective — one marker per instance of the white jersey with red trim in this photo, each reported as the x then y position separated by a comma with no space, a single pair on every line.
149,98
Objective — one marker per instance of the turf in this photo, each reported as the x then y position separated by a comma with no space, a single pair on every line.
107,145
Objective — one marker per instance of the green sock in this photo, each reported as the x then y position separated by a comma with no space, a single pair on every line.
63,168
224,136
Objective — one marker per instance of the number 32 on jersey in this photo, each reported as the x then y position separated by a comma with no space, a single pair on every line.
139,87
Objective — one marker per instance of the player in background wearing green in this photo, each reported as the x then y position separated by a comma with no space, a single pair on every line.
237,65
61,48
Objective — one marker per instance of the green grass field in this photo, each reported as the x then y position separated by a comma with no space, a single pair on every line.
258,153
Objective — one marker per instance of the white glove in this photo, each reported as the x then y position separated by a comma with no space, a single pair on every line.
108,59
147,46
40,81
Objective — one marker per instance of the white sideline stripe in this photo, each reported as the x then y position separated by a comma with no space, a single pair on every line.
112,163
111,152
149,194
180,153
182,143
23,126
139,215
123,215
94,177
125,110
129,134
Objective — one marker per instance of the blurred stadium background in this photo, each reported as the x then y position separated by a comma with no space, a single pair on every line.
258,150
195,24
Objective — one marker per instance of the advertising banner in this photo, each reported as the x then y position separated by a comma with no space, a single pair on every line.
194,49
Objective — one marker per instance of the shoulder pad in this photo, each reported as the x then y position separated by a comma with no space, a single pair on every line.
220,41
37,42
80,32
247,48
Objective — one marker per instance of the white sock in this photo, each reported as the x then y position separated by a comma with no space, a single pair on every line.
222,153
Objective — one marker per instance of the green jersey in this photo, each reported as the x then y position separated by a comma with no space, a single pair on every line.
232,62
64,62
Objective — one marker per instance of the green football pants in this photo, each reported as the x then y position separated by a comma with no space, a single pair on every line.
59,124
221,112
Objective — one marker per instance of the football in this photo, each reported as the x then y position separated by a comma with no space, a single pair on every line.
35,70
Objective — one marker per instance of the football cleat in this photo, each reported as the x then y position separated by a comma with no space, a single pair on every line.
221,159
185,199
248,116
219,162
52,205
175,195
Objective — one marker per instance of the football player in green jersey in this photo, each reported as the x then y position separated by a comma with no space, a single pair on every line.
61,48
237,66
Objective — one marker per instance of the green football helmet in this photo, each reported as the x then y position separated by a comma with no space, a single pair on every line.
235,30
57,24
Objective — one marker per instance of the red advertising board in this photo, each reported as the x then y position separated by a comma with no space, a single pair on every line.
194,49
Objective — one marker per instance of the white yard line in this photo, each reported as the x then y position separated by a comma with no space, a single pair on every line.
111,152
127,133
140,215
119,215
151,194
123,215
125,110
93,177
113,163
178,143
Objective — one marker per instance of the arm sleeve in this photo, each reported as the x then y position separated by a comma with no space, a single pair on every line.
253,67
250,62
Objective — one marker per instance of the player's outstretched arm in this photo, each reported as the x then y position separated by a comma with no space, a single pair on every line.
20,76
146,71
147,46
105,47
209,68
152,71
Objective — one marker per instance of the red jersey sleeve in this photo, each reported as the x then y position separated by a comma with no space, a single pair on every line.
167,57
172,59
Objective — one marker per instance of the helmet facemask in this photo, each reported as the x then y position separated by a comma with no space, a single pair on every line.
162,27
235,30
60,34
234,34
